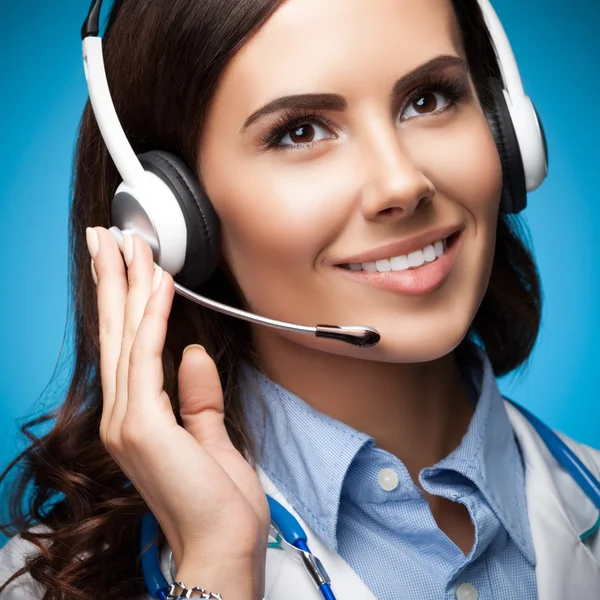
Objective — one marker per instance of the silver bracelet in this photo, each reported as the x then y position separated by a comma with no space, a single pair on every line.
178,590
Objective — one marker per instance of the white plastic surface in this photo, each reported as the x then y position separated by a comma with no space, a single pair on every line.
525,122
531,144
504,51
166,216
117,143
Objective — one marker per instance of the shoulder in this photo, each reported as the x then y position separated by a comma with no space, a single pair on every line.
584,513
12,558
533,444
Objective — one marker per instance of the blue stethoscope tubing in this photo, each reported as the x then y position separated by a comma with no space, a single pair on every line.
293,533
285,523
565,457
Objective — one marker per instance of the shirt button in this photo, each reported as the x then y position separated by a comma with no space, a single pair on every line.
388,479
466,591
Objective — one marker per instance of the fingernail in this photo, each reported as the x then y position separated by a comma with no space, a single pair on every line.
128,248
192,346
158,273
91,237
94,276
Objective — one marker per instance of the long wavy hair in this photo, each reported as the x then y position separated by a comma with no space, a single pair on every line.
163,62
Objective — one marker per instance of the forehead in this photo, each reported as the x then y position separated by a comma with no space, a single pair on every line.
328,45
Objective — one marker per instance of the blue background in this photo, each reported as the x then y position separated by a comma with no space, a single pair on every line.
43,92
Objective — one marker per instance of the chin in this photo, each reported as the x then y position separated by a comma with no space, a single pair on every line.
429,346
408,340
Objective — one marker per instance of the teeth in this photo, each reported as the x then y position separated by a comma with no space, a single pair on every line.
429,253
383,265
416,259
401,263
371,267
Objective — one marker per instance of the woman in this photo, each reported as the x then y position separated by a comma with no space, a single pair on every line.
408,471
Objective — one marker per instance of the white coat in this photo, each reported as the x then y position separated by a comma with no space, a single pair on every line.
559,513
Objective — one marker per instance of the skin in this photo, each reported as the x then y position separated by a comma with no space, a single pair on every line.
372,177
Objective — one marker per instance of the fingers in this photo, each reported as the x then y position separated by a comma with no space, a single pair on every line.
201,397
134,306
111,292
140,274
145,377
122,296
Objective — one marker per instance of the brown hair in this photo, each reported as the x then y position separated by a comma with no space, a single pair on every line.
163,61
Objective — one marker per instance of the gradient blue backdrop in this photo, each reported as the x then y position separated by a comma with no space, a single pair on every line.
43,93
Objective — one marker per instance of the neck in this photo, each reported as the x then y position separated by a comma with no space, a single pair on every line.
418,412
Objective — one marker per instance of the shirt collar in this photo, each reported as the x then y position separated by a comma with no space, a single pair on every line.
307,453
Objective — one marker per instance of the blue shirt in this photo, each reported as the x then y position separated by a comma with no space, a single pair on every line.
330,473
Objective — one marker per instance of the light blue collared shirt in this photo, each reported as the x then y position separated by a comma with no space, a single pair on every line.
330,473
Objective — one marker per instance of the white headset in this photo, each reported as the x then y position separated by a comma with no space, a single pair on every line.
161,200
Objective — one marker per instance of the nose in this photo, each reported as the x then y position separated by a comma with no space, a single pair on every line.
395,186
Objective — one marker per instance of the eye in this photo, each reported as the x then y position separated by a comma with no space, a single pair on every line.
426,103
302,133
297,129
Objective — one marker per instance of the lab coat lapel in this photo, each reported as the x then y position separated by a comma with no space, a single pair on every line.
566,568
286,577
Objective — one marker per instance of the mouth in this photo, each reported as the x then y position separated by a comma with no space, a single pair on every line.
413,274
404,262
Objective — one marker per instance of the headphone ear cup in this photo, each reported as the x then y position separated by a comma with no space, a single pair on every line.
514,188
202,224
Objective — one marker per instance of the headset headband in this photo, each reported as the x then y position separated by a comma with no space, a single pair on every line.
525,121
532,142
118,145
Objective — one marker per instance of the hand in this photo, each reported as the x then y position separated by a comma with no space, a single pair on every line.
206,497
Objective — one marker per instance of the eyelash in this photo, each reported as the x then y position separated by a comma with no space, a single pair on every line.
455,89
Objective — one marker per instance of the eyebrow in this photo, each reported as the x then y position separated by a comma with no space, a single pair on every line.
339,103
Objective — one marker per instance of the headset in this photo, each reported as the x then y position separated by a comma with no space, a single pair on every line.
161,200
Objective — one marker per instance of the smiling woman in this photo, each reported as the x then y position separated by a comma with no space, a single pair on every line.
359,173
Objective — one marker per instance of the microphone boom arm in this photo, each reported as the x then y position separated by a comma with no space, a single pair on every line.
359,335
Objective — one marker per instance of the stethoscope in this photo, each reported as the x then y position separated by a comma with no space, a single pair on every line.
290,535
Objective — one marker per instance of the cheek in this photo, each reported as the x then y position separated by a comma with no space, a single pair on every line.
463,163
472,177
276,216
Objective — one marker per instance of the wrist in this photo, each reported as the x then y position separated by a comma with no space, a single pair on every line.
232,580
179,590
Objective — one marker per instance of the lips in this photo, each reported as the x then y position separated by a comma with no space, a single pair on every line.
403,247
412,282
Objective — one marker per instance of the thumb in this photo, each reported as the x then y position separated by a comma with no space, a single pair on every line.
201,397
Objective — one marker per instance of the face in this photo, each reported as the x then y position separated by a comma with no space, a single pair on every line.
342,135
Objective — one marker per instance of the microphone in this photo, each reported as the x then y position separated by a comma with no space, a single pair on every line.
357,335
